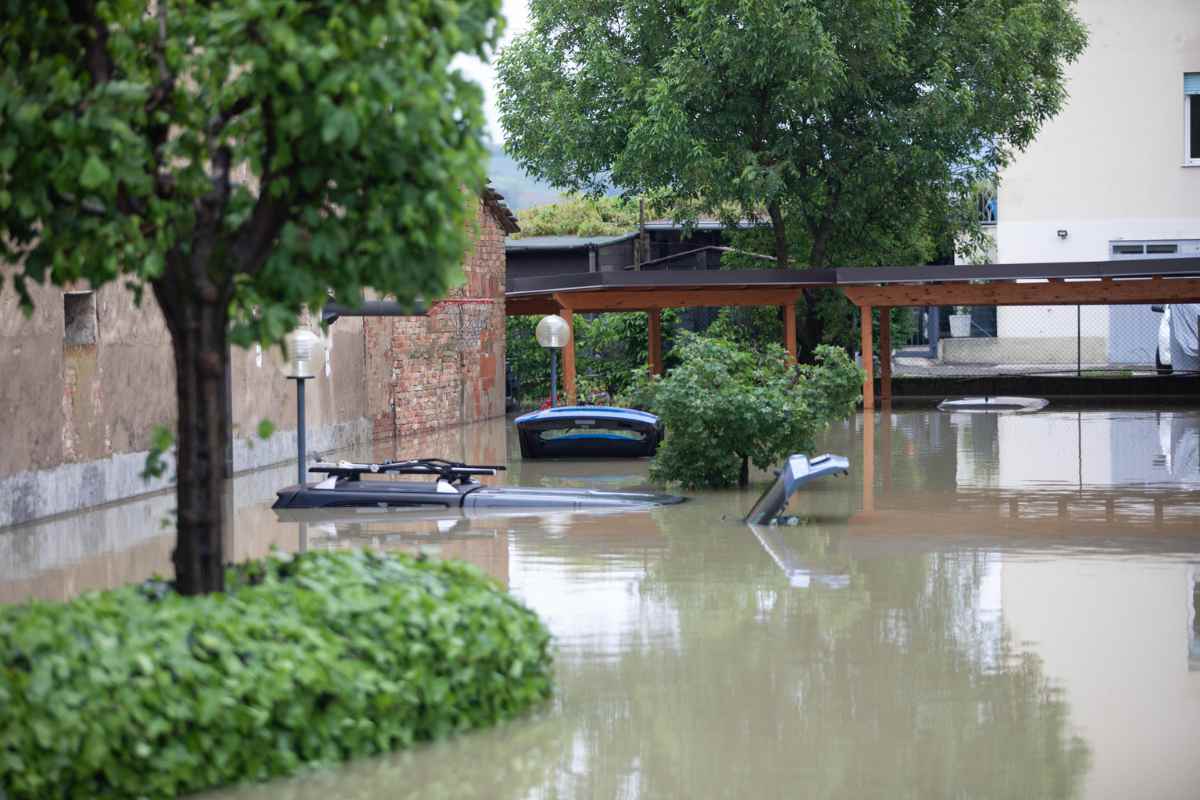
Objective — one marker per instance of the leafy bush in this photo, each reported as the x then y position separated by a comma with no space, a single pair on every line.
139,692
609,350
580,216
726,407
639,391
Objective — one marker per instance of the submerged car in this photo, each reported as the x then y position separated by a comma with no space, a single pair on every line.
588,432
453,486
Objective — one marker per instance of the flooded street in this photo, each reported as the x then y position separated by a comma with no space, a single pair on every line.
988,606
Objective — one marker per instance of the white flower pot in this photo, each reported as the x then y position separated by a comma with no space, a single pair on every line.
960,324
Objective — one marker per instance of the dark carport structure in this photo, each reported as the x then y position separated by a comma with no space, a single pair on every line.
870,288
653,291
1067,283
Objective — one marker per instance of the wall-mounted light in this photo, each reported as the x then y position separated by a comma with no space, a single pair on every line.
1062,233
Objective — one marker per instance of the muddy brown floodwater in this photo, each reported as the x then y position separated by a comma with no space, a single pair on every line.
989,606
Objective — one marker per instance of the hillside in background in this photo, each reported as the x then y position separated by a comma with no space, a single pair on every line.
520,191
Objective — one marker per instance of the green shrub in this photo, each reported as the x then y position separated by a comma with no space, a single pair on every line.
726,407
639,391
609,350
316,658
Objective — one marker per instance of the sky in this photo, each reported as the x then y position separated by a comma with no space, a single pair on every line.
516,12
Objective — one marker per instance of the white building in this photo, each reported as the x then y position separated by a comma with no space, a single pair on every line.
1115,175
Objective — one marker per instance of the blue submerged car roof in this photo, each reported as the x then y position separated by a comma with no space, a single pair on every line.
588,412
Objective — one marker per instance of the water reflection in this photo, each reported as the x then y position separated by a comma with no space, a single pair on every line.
1049,474
988,607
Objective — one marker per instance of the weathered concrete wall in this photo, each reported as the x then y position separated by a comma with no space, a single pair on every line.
82,415
79,416
123,543
335,407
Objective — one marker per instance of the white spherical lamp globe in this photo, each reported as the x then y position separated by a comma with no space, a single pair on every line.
552,331
303,349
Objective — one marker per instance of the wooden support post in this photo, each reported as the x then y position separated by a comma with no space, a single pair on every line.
885,354
884,453
654,342
569,358
789,329
868,461
867,348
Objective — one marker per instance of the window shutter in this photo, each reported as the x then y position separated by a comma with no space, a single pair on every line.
1191,83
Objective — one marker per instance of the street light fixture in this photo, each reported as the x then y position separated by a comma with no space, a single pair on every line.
303,350
553,333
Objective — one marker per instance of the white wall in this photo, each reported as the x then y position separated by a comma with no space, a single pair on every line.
1110,165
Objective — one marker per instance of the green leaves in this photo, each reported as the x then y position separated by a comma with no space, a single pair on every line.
318,657
266,428
610,353
94,174
341,124
850,118
328,105
726,407
162,439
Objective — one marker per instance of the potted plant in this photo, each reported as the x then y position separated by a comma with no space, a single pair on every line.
960,321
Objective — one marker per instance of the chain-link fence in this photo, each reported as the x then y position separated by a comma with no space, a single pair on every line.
968,341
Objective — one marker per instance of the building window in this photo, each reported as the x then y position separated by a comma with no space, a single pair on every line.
1191,118
79,319
1161,248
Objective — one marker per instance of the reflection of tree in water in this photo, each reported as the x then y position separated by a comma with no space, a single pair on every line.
887,688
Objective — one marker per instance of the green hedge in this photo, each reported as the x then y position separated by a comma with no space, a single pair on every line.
316,658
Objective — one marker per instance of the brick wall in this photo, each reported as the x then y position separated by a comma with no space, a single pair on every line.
445,368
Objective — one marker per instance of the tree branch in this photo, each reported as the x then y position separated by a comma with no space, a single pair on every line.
210,211
95,40
219,121
253,240
161,93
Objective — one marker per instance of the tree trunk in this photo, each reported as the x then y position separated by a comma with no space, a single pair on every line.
780,231
198,323
744,474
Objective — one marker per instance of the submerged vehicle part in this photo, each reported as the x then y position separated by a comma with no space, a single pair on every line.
986,405
797,471
588,432
347,485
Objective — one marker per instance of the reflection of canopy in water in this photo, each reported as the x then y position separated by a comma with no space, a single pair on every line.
1066,474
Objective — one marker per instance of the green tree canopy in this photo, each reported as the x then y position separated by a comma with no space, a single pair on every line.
845,121
243,159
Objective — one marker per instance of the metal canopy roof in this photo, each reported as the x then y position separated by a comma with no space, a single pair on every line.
664,279
534,243
854,276
948,273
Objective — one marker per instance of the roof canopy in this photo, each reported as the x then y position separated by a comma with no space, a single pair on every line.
1055,283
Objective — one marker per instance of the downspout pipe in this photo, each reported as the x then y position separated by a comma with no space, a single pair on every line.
372,308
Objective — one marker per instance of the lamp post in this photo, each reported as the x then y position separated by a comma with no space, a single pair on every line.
302,347
553,333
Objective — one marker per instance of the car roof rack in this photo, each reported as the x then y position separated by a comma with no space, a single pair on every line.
445,470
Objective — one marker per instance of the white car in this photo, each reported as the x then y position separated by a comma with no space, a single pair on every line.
1162,356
